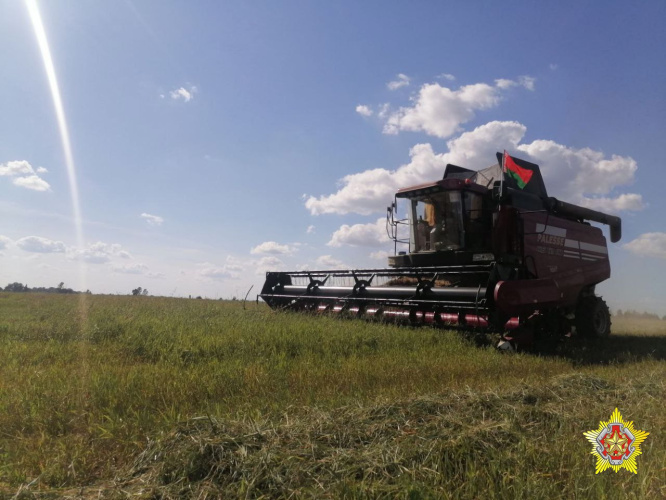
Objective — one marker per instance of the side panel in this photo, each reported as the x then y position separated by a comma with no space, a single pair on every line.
573,254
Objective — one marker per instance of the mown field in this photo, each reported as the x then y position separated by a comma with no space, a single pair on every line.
143,397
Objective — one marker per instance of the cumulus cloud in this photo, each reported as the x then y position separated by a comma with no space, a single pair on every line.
24,175
18,167
4,242
440,111
582,176
631,202
648,245
98,253
33,182
329,262
361,235
363,110
272,247
268,263
372,190
447,76
183,94
153,220
37,244
310,229
401,80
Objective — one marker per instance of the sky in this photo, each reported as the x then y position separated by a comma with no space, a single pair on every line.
209,142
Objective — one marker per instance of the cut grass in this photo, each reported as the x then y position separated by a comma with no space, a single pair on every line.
89,391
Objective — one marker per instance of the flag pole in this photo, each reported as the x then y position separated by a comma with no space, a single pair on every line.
503,172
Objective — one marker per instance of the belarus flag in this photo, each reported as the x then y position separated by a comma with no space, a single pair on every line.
520,174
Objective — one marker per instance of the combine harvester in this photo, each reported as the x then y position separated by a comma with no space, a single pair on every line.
488,251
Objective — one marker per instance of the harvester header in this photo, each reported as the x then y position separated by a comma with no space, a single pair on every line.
485,249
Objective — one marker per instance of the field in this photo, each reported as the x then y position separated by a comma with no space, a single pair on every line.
145,397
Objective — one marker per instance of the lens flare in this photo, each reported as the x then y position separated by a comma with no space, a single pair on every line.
42,41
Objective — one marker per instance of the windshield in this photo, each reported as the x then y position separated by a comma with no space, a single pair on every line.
451,220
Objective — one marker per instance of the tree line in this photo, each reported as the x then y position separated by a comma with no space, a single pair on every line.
20,287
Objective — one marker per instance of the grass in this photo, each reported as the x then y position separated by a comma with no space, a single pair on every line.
165,398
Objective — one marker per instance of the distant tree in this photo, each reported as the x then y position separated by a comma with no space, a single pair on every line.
60,285
16,287
137,291
144,292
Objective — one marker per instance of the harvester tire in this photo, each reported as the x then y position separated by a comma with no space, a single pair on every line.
593,318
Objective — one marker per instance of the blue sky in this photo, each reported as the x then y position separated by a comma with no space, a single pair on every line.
213,141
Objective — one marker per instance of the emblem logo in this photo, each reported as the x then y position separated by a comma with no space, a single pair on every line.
616,444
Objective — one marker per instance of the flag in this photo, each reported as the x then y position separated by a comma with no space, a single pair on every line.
521,175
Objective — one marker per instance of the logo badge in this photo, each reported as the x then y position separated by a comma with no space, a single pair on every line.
616,444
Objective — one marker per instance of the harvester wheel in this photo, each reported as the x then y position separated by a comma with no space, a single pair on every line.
593,318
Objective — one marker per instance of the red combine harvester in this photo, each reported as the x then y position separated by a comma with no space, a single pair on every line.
488,250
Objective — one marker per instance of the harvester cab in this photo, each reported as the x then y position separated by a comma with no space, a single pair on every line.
485,250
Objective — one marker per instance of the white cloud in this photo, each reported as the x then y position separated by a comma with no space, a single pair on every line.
183,94
379,255
17,167
310,229
153,220
384,111
215,272
268,263
272,247
527,82
98,253
553,66
581,176
648,245
447,76
504,84
130,268
38,244
439,111
401,81
24,175
523,81
331,263
625,202
33,182
366,235
4,242
372,191
363,110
